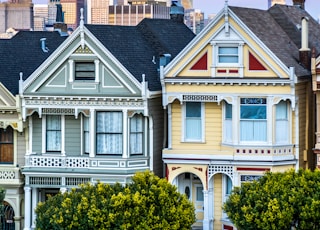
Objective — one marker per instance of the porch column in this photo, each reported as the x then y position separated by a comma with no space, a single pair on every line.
205,210
210,207
34,205
27,208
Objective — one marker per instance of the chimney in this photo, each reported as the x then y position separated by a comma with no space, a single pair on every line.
177,11
304,51
299,3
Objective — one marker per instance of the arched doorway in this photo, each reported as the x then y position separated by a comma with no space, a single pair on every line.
191,185
7,217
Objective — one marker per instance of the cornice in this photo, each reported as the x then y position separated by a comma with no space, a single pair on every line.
227,81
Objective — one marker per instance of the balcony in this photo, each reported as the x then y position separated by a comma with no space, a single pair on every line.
84,162
10,176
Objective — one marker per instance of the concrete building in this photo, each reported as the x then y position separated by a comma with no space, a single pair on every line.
17,14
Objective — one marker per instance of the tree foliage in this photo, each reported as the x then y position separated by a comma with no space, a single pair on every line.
277,201
147,203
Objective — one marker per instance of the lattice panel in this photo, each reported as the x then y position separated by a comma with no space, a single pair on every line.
8,174
77,163
226,169
66,111
46,161
45,181
209,98
75,181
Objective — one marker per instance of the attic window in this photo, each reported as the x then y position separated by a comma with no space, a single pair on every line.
84,71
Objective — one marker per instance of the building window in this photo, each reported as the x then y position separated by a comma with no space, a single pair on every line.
253,119
199,193
136,134
282,123
228,55
227,122
86,136
84,71
53,133
193,121
109,133
6,145
249,178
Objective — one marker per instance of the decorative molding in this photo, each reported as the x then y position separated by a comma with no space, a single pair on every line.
224,169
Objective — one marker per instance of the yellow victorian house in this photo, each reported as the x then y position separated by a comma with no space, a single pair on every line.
238,101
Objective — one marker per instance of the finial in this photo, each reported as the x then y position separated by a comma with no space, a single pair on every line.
81,18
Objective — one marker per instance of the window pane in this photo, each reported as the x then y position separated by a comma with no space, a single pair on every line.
200,194
193,109
136,134
6,145
253,130
53,133
86,134
281,111
253,112
228,59
228,185
109,133
193,128
228,50
84,71
282,123
228,111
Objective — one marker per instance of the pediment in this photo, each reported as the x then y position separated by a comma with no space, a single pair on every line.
82,66
203,57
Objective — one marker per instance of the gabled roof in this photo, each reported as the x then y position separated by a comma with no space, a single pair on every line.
277,29
137,46
23,53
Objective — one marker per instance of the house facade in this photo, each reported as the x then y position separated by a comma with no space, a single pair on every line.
15,54
315,67
93,108
239,103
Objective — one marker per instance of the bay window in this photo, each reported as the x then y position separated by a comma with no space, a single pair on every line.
253,119
86,137
109,133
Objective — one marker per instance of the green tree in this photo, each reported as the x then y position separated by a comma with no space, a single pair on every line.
277,201
147,203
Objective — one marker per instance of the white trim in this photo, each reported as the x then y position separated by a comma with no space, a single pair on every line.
125,133
30,135
44,136
92,132
63,134
169,126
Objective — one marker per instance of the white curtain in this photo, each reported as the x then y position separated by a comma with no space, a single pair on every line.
136,134
193,128
227,132
253,130
53,132
109,133
86,134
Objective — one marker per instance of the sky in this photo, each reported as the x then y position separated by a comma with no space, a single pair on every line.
214,6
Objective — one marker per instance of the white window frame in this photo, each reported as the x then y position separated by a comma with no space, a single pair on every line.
254,142
282,124
184,123
111,133
225,195
85,132
72,70
44,134
134,133
227,124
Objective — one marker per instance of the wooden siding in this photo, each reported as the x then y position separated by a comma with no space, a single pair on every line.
306,125
21,148
217,200
73,136
213,128
157,113
36,134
